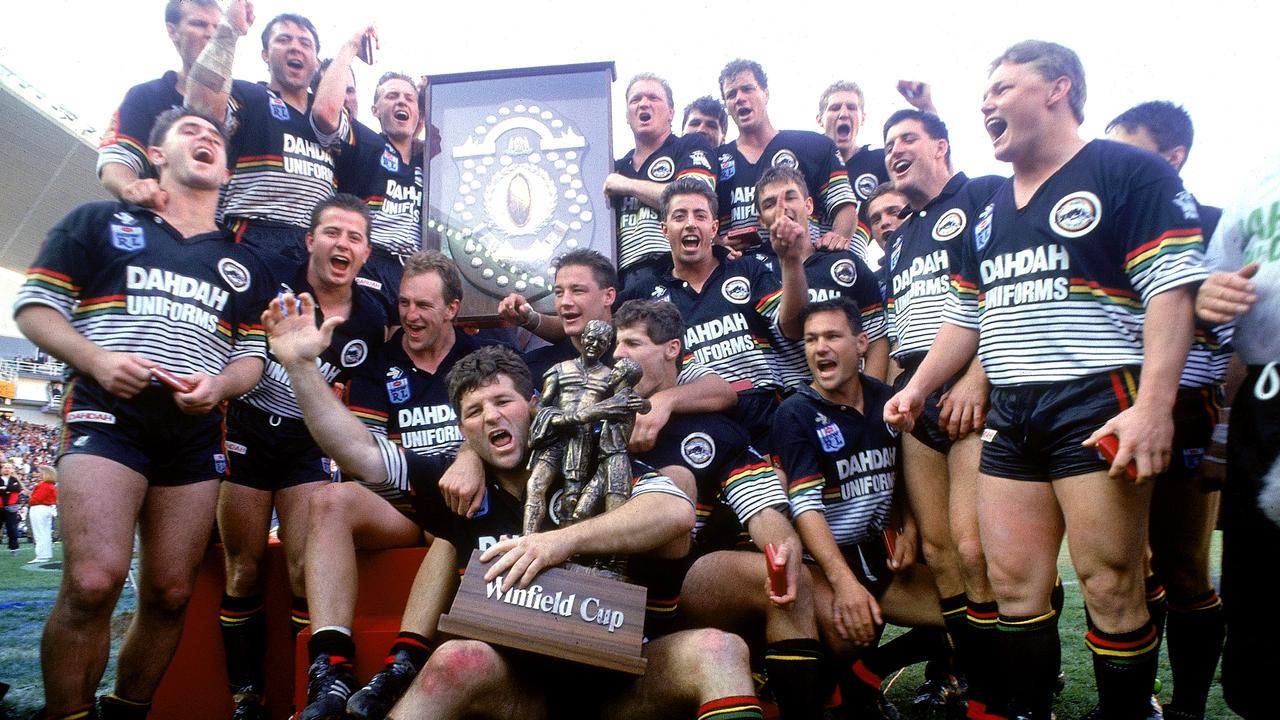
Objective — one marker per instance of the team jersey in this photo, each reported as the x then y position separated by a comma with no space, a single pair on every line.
1057,289
1249,233
731,326
396,398
542,359
728,472
283,167
866,170
639,227
833,274
838,460
130,282
1211,349
922,256
352,347
815,156
371,168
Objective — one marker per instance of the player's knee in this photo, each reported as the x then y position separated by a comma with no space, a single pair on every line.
1185,579
458,666
167,599
705,649
972,559
1109,589
92,589
331,505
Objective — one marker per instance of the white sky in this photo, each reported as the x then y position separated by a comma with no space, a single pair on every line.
1215,58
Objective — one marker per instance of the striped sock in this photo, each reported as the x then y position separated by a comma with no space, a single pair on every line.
84,712
795,669
415,646
734,707
299,615
983,671
1157,602
1125,667
244,629
1195,633
1031,649
956,619
114,707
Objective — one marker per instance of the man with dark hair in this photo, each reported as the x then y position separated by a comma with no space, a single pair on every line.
401,395
842,109
840,460
829,273
736,311
123,167
759,146
384,169
940,454
884,208
1184,508
639,176
156,312
273,461
492,392
706,115
283,165
1083,262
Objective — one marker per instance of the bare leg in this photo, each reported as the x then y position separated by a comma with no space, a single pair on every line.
472,679
99,501
686,669
925,472
294,507
244,519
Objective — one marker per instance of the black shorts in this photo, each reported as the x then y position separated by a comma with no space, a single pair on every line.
1034,432
926,429
755,414
385,269
1195,412
869,561
146,433
269,452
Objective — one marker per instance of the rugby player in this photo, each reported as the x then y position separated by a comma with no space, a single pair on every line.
706,115
273,460
400,395
1184,508
703,670
735,312
385,169
829,273
759,146
283,163
1092,244
940,454
123,167
884,208
842,109
638,177
119,292
1242,289
736,488
840,459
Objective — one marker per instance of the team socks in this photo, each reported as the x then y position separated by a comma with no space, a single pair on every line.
1157,603
114,707
299,615
795,669
416,647
983,668
1031,650
1194,632
335,643
1125,667
243,625
736,707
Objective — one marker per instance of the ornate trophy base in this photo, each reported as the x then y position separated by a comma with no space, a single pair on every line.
569,612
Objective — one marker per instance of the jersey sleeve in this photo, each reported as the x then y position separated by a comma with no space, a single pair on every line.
125,141
1160,220
646,480
342,136
693,370
413,480
751,485
249,338
798,458
695,158
63,265
766,292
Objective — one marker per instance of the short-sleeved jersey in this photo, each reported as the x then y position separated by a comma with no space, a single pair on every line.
866,170
838,460
282,167
833,274
639,227
1249,233
813,154
1058,288
128,281
922,255
727,470
731,326
395,398
354,345
371,168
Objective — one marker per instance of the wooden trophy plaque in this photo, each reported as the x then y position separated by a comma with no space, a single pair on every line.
567,612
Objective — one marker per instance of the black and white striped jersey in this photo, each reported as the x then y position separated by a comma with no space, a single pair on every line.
639,227
371,168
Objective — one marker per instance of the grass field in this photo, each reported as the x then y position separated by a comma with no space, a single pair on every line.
27,594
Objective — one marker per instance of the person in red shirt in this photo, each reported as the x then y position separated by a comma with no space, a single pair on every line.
40,512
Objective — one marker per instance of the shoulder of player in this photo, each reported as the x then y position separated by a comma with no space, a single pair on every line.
1110,159
805,140
161,90
368,310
